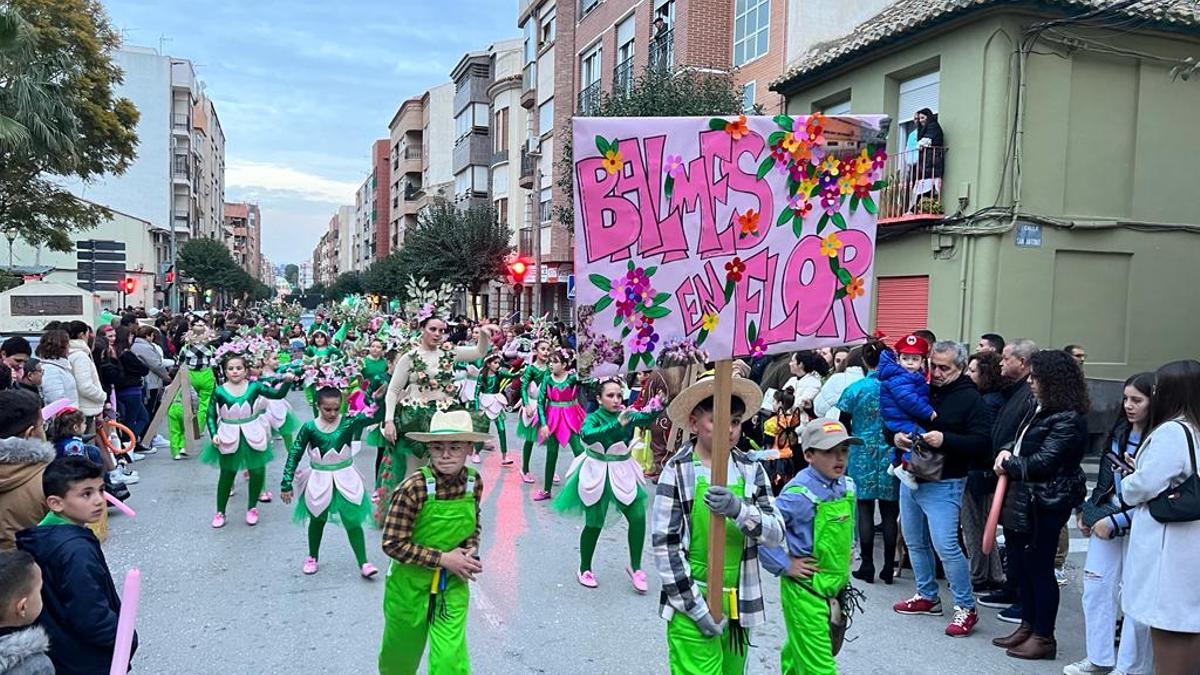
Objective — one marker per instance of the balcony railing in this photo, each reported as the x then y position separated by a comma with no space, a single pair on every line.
529,85
525,244
914,190
589,99
662,51
182,168
623,78
180,120
412,192
528,166
412,152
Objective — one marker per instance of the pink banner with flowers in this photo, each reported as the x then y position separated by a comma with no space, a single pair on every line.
742,236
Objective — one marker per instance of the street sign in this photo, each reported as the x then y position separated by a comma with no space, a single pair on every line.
570,286
1029,235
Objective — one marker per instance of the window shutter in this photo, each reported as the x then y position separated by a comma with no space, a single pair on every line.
901,306
919,92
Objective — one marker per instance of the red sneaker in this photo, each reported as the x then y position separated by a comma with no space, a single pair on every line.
963,622
918,605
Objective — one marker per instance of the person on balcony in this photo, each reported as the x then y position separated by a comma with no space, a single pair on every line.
930,162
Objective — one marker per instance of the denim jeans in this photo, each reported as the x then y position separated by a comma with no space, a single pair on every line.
929,518
132,411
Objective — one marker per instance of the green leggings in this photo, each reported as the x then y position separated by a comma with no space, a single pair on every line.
502,434
635,515
526,455
316,529
552,458
258,478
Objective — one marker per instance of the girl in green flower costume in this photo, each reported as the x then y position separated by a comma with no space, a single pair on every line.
240,433
320,349
422,383
529,423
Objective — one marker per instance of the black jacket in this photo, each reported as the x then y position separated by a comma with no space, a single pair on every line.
964,420
981,481
81,602
132,370
1051,451
1018,401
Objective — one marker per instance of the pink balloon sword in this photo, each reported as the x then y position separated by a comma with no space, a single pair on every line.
125,622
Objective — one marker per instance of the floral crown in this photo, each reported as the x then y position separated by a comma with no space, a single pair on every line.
337,373
425,301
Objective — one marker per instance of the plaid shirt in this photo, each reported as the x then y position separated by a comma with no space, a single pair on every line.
197,357
670,536
406,505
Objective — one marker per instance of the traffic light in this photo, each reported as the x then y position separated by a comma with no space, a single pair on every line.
517,270
128,285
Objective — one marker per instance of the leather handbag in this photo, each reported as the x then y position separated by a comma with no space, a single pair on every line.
1180,504
925,463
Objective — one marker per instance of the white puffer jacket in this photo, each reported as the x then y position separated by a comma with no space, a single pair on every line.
87,379
58,382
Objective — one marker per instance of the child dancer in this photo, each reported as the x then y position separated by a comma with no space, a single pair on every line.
562,416
332,489
431,532
904,398
241,436
607,474
491,403
320,349
531,387
376,392
278,412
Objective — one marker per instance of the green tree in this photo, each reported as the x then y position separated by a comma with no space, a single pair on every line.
656,93
349,283
387,277
291,273
463,248
59,117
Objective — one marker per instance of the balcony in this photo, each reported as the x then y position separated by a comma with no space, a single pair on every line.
914,190
662,51
181,168
180,122
623,78
412,192
525,242
529,86
499,157
528,166
589,99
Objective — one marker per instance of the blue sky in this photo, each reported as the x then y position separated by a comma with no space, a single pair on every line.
303,87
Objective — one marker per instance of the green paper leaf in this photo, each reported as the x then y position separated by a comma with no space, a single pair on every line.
843,276
728,290
841,293
822,222
835,264
869,205
600,281
717,124
639,308
617,321
775,138
669,186
602,145
656,312
785,122
602,304
702,336
625,332
797,224
784,214
650,271
764,167
879,185
839,220
661,298
633,362
614,144
853,203
752,332
630,265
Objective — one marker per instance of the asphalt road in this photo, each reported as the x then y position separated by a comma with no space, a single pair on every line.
232,601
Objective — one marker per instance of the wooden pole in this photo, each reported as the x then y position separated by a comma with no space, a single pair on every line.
722,396
161,415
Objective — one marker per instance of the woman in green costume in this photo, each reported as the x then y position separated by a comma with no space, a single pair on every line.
332,489
422,383
432,534
529,423
240,433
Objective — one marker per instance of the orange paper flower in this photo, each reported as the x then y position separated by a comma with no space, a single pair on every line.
748,222
737,128
855,288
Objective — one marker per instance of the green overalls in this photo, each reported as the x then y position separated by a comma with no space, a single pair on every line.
411,591
689,651
808,650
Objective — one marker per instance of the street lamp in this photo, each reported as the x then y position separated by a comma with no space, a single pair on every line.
10,233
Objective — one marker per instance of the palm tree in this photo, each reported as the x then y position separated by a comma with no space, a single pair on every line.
32,110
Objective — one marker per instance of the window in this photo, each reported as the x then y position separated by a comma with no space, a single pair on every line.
501,128
473,117
586,6
480,177
916,93
748,95
462,183
548,26
751,26
840,108
546,117
589,69
502,211
623,72
544,205
531,46
500,181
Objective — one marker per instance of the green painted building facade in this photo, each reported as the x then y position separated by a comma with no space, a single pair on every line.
1070,200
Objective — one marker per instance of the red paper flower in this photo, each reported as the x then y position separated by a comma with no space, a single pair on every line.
734,270
737,128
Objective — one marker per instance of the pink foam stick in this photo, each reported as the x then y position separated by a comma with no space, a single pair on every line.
121,506
989,530
125,622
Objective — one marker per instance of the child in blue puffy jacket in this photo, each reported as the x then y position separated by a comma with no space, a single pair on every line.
904,397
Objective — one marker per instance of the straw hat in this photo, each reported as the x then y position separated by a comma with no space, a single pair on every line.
449,426
681,406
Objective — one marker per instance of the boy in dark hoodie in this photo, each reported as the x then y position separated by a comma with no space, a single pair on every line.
22,645
81,602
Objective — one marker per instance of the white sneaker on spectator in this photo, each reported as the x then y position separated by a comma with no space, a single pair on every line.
906,477
135,456
1085,667
131,477
1060,575
160,442
148,450
117,476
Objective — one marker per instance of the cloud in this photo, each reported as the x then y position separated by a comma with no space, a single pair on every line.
256,176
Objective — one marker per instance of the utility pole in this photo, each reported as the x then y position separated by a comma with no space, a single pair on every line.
536,156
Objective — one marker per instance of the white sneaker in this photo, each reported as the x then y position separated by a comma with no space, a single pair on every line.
1061,577
117,477
906,478
1085,667
135,456
131,477
152,450
160,442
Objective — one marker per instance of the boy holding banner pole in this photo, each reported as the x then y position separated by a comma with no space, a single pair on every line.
702,483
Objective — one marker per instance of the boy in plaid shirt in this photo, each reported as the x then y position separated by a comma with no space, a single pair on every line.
696,643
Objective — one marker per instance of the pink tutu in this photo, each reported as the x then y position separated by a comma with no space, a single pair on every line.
565,421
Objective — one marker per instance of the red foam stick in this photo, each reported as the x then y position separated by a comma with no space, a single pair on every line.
989,530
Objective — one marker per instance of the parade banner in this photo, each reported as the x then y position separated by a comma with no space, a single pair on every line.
745,235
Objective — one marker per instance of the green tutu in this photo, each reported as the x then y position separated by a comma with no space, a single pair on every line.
341,510
245,457
291,425
598,514
526,433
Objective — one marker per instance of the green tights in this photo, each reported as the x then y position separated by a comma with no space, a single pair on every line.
258,478
526,455
316,529
552,457
635,515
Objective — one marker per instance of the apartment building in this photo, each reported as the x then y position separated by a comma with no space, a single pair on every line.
472,126
437,143
406,151
242,233
371,239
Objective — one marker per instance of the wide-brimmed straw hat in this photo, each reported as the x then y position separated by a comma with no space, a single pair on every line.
454,425
681,406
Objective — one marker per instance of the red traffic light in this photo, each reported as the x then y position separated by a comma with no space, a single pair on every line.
129,285
517,270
